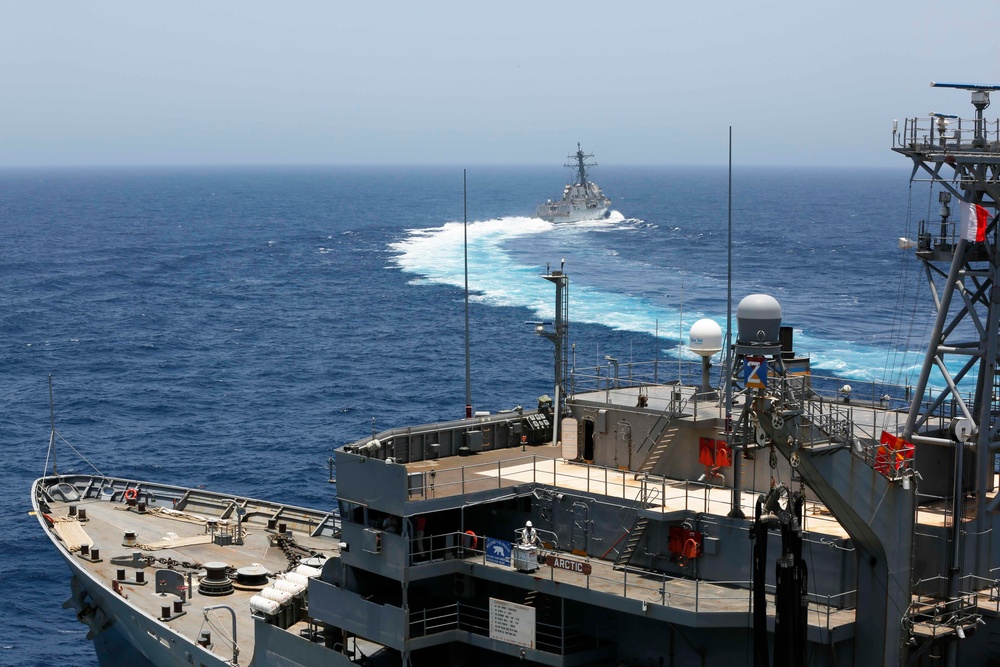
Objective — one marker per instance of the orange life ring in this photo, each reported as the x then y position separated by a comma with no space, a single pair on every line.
131,494
469,540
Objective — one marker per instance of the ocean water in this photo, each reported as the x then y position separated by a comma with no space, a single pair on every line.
229,328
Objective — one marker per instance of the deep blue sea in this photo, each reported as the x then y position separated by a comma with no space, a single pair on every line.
230,327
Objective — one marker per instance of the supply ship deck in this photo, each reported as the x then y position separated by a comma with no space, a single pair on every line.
376,589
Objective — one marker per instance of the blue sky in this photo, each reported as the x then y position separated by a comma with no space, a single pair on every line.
467,83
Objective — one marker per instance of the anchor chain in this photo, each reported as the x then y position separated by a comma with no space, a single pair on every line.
293,551
149,561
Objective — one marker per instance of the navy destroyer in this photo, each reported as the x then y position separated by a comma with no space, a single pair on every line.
581,200
759,515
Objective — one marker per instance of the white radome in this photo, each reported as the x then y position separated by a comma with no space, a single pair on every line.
705,337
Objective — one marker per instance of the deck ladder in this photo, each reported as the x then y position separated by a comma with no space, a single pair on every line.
659,448
634,538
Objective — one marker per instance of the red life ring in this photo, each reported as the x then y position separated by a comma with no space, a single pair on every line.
469,540
131,494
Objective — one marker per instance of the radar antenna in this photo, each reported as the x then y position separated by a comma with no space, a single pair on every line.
980,100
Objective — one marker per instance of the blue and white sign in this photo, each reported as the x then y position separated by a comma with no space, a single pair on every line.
497,551
755,372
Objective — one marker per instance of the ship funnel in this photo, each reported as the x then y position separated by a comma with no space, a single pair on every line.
759,325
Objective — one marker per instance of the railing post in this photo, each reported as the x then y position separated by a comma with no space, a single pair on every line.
562,627
534,462
463,480
499,481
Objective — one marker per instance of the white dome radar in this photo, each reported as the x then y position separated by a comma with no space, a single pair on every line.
759,318
705,338
758,324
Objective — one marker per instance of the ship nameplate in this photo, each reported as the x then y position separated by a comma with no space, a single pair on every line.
570,564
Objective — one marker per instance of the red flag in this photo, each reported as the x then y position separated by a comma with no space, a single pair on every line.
974,220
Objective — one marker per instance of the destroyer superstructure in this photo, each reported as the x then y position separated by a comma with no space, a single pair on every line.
581,200
827,523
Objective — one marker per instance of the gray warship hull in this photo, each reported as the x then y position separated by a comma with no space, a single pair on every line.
581,200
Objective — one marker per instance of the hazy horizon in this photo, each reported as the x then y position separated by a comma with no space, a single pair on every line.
446,83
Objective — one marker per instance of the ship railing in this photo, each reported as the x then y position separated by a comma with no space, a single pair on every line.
868,423
474,619
934,613
531,468
622,375
989,589
887,396
648,586
705,596
665,495
931,510
876,394
434,620
645,489
721,595
826,606
635,374
433,548
649,492
468,544
682,592
923,133
937,235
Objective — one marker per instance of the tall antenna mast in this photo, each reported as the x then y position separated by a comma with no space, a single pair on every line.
580,165
52,436
468,362
557,331
736,510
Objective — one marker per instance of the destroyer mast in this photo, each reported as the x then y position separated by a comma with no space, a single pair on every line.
580,165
